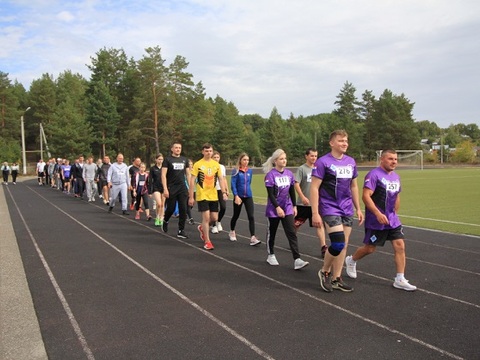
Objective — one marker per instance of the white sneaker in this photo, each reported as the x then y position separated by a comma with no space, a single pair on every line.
351,267
299,263
254,241
214,229
232,235
272,260
219,226
404,285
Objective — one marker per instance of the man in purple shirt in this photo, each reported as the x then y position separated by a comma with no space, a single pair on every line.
333,195
381,195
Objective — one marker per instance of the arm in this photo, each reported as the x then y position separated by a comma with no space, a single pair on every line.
305,200
370,205
223,185
356,200
164,182
314,201
191,188
397,203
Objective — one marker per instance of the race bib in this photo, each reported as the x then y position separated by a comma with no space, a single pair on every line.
344,172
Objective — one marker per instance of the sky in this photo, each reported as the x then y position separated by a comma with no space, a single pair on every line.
295,55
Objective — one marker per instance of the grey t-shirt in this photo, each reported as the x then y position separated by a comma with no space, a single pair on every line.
303,177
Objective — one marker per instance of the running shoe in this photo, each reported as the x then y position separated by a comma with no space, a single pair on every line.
254,241
137,216
232,236
181,234
110,209
272,260
325,280
191,221
214,229
219,226
404,285
149,218
299,263
165,226
125,212
338,284
208,246
202,235
351,267
157,222
132,206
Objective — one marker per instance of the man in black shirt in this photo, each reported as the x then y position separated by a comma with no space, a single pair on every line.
175,171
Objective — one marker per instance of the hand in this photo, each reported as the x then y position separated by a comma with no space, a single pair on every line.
382,219
280,212
360,216
317,220
237,200
165,193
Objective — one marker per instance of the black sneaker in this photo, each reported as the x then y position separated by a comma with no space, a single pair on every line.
325,281
110,209
125,212
181,234
338,284
191,221
165,226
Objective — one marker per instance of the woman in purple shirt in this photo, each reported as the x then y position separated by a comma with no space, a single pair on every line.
280,184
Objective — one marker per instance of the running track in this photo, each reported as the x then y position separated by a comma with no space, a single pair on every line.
105,286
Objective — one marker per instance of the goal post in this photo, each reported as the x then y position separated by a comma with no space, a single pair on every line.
406,158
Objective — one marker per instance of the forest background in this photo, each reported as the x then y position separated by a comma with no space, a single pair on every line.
139,107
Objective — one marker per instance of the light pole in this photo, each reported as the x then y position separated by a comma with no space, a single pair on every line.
24,156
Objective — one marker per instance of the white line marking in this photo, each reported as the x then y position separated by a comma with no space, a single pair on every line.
231,331
209,315
63,300
439,220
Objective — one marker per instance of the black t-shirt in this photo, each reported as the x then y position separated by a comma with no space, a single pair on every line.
176,172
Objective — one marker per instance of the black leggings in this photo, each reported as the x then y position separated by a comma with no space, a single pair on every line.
222,205
288,224
138,200
248,201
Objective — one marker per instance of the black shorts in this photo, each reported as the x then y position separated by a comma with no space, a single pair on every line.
157,188
304,213
206,205
378,237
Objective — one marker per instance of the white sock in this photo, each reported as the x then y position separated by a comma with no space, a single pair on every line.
400,276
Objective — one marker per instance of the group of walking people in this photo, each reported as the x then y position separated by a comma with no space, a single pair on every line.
9,170
328,198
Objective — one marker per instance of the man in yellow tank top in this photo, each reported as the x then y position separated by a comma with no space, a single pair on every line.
204,176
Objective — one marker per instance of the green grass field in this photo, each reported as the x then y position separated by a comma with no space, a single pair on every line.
441,199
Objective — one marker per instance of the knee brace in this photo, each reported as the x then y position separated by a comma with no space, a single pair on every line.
337,243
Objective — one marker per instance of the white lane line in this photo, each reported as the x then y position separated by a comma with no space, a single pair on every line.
185,298
61,297
231,331
439,220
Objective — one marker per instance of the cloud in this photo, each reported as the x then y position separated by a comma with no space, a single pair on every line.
295,55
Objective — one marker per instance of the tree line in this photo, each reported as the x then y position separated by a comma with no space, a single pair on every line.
138,107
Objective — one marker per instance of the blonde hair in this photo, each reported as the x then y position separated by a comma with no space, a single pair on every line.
270,163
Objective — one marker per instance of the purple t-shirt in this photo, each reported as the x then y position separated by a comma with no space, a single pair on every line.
386,188
281,182
335,191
